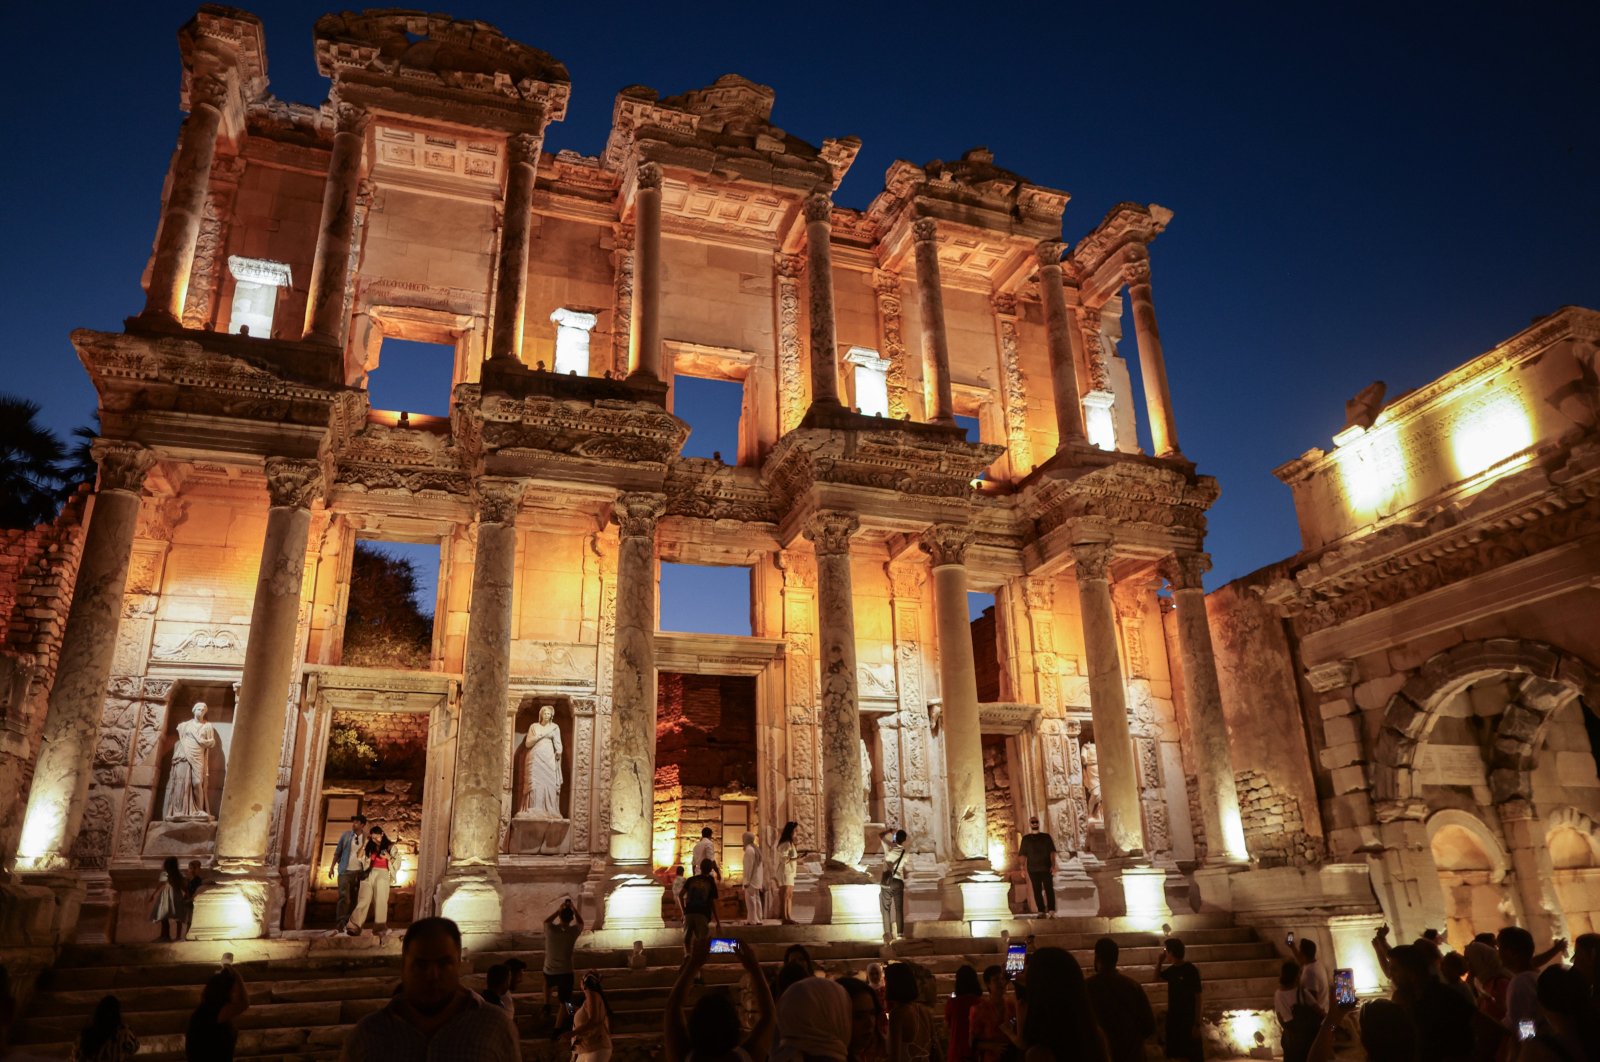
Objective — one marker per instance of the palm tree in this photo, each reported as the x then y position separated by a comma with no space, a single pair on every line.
30,475
79,466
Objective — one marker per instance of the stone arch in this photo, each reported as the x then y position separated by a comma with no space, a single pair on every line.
1570,818
1474,872
1551,678
1478,830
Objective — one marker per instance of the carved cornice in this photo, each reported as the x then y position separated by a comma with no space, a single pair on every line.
818,208
709,490
946,544
1124,234
497,498
605,430
123,465
830,529
1092,560
1122,493
293,483
636,513
1185,570
916,460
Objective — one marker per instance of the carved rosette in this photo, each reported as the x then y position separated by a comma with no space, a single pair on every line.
946,544
649,177
636,514
818,207
293,483
830,529
789,268
123,465
1185,570
893,345
1092,560
497,499
524,148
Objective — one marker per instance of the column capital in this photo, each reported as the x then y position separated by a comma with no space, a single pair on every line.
1184,570
1049,252
622,234
1038,592
791,266
292,482
524,147
925,230
1088,318
830,530
818,207
210,90
648,178
636,513
1004,303
886,282
1136,271
946,544
1092,560
123,465
497,498
350,118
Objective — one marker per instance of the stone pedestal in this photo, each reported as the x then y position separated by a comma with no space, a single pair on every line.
633,901
971,892
538,836
1214,884
240,904
470,897
186,839
41,910
1144,895
1076,894
849,898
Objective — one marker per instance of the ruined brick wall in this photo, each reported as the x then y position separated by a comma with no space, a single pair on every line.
1001,809
986,656
1273,827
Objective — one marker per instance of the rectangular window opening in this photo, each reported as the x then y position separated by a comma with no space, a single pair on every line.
712,409
389,617
869,381
412,377
705,599
985,644
1141,416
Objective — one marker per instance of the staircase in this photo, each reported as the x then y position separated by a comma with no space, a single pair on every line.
307,992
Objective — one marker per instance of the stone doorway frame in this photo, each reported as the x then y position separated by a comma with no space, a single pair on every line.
335,688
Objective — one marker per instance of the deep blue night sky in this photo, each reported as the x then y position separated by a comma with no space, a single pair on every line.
1373,191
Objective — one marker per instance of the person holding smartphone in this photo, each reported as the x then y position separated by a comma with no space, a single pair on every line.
700,907
1183,1002
987,1025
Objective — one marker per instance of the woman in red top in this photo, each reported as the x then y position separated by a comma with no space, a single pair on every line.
379,861
958,1013
989,1017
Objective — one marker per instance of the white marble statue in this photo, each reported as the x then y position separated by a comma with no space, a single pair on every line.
1091,779
186,787
541,790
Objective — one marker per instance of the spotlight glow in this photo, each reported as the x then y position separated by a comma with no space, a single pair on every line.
1492,427
1372,470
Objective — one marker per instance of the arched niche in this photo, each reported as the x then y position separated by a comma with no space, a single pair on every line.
1472,865
1574,841
191,838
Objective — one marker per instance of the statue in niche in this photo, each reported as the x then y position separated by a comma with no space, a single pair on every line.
541,790
1091,779
186,787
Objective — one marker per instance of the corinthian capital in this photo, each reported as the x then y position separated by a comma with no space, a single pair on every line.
924,230
1184,570
830,530
1049,252
789,266
293,482
648,177
1136,271
1092,560
818,207
886,282
349,118
123,465
637,513
1004,303
946,544
210,90
524,147
498,498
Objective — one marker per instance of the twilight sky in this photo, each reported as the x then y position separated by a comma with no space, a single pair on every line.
1362,191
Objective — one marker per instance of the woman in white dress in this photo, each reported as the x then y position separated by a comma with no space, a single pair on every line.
541,795
755,881
788,862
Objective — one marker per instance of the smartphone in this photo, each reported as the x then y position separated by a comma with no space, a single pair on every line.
1016,959
1525,1030
724,946
1289,938
1344,987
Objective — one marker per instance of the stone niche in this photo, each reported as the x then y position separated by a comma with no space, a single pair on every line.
530,835
191,837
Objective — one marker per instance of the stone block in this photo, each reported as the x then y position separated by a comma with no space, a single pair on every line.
1376,693
1341,730
1349,779
1337,707
1342,755
538,836
192,837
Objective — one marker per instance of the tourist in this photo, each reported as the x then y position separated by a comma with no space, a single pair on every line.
991,1016
958,1013
166,910
591,1026
797,966
1037,851
892,884
1440,1017
678,882
705,849
377,860
1313,978
1303,1027
193,883
497,985
508,1001
107,1037
910,1022
700,907
1454,973
875,982
346,869
814,1022
562,928
1288,993
1387,1034
788,863
755,881
1563,1033
1522,995
1586,962
867,1039
712,1032
211,1035
1056,1022
1183,1001
433,1016
1490,979
1120,1005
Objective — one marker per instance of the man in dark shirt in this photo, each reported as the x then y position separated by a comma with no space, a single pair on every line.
1183,1002
1443,1019
700,906
1038,854
1119,1004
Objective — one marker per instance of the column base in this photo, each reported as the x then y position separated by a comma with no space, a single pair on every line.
241,905
848,898
633,901
1076,893
1214,884
40,909
1144,895
470,897
973,892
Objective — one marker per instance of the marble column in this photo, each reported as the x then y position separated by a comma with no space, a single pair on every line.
511,283
61,775
644,351
634,899
325,314
1108,703
844,817
819,282
241,903
470,893
186,200
1202,701
1152,363
946,546
935,340
1062,341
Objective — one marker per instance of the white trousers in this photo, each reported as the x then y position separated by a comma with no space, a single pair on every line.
755,903
374,889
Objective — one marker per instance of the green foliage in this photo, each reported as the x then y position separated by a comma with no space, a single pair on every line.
351,753
383,625
30,472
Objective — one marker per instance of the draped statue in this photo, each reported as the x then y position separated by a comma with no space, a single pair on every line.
187,786
541,790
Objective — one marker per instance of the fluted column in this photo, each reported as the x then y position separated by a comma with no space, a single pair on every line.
819,284
935,340
72,719
946,546
186,201
829,531
511,285
1152,363
633,697
1062,341
644,352
1108,701
1202,699
325,314
241,903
